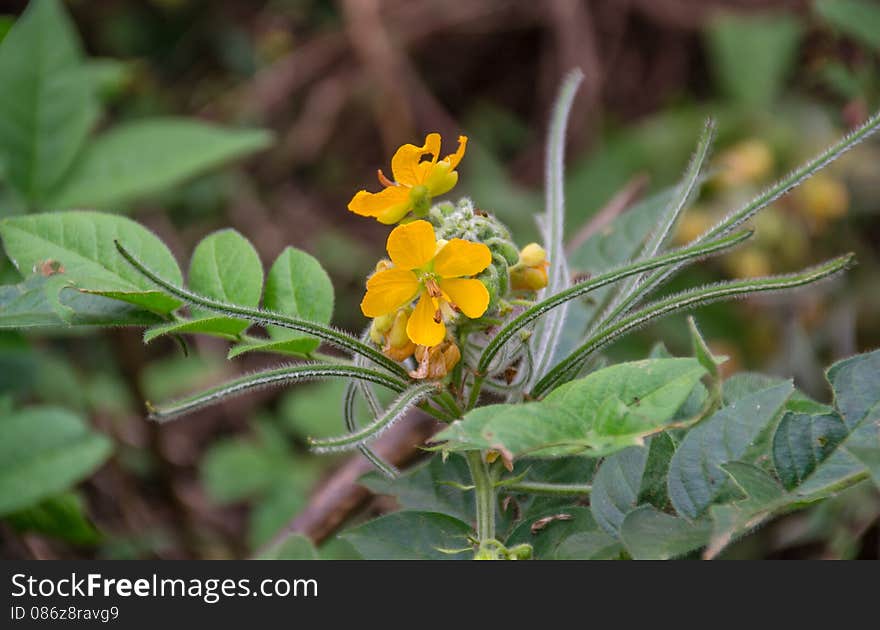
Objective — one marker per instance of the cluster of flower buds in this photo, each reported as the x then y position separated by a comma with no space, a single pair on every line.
447,264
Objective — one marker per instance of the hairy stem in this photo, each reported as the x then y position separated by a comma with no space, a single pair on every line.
268,378
569,367
484,496
539,309
267,318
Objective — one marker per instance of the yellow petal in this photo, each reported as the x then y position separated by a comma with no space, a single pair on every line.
388,290
440,180
391,199
470,296
422,327
454,158
462,258
405,165
412,245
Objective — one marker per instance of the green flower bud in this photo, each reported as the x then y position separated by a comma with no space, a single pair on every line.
505,248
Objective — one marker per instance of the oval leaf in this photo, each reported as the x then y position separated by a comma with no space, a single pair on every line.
599,414
412,536
225,267
695,474
81,244
43,451
297,285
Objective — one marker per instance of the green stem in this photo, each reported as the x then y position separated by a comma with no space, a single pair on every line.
475,391
484,495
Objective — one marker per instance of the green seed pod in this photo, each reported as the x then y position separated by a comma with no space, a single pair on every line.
491,280
504,247
502,268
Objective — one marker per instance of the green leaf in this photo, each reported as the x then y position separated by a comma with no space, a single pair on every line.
802,441
703,354
234,470
38,302
292,547
626,479
870,459
859,19
649,534
298,286
695,475
430,487
44,451
61,517
411,536
143,157
604,412
274,509
82,243
224,266
548,330
857,398
47,105
546,531
763,496
752,56
593,545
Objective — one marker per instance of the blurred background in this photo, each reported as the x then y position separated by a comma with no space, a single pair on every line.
341,85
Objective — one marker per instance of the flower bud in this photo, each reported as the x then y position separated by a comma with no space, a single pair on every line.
397,343
528,278
379,327
505,248
532,255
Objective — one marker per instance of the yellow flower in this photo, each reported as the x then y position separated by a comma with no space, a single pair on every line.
416,182
434,272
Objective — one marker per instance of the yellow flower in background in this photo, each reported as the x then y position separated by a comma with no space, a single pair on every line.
415,183
433,271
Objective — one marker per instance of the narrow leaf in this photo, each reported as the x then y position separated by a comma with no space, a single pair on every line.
268,378
546,338
396,410
571,365
139,158
47,105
